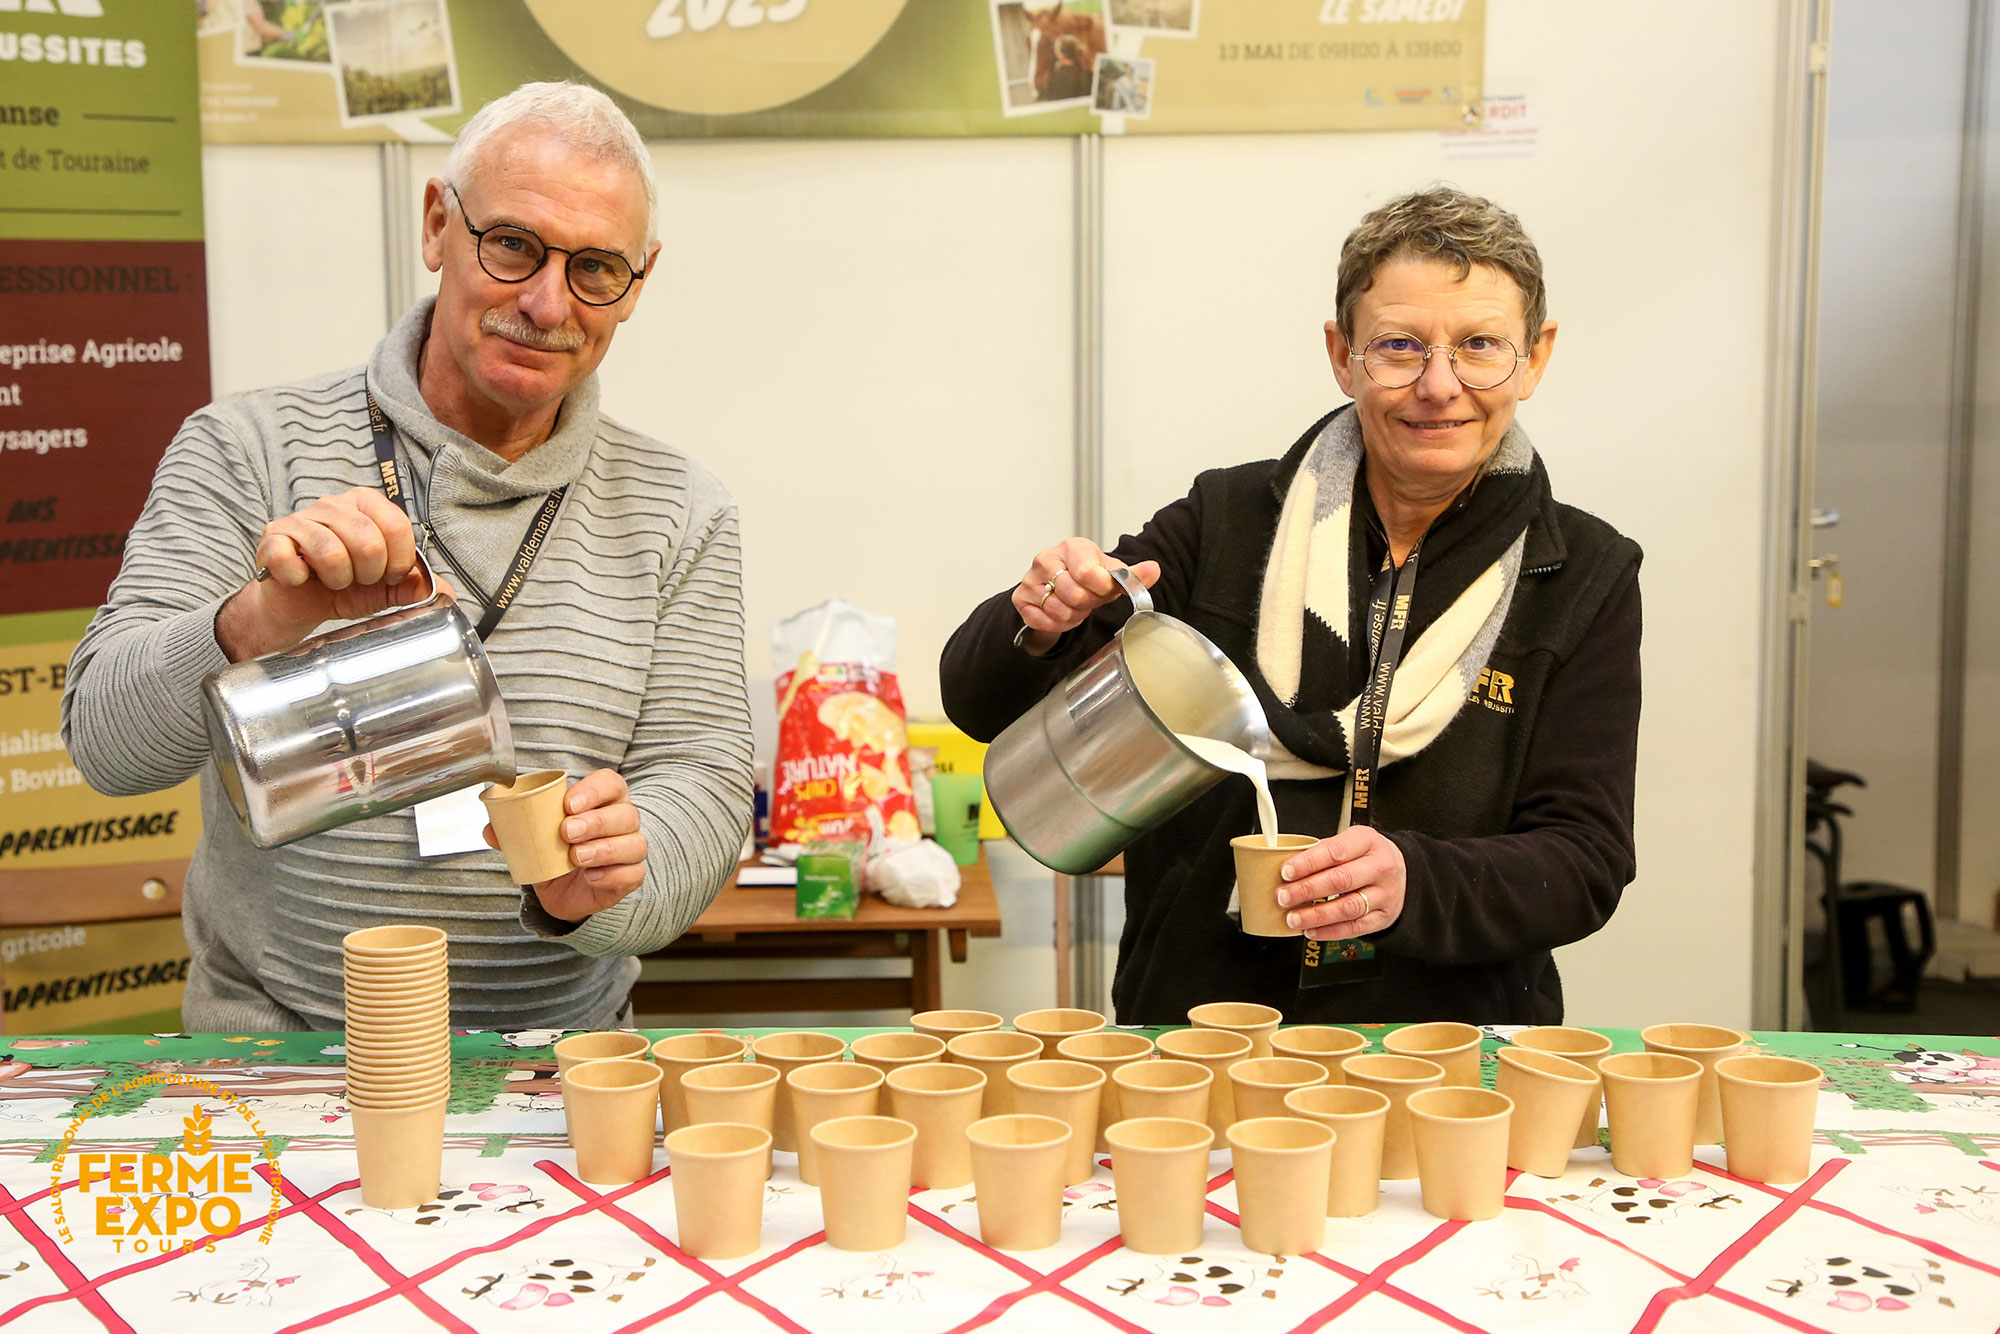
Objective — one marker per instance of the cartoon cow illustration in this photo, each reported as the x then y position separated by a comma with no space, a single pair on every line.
1529,1280
532,1037
1847,1284
1977,1203
1649,1201
1914,1064
887,1280
555,1283
253,1286
1194,1280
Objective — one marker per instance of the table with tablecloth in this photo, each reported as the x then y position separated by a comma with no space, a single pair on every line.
1897,1227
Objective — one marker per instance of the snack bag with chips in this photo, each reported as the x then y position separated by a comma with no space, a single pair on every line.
842,748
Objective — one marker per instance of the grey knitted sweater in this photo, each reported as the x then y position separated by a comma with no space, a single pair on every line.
623,650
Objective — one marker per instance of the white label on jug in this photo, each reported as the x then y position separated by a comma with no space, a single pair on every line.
1225,756
452,824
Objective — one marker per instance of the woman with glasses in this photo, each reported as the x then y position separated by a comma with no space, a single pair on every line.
1414,609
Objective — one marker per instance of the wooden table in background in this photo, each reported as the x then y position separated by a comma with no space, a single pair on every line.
762,924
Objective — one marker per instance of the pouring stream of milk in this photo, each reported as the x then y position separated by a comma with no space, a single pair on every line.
1225,756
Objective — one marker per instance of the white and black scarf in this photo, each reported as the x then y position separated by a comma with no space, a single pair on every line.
1314,609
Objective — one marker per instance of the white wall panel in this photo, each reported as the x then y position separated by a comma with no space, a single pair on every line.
1650,198
295,256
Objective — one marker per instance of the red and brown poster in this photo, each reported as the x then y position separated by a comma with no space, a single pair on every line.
103,308
103,351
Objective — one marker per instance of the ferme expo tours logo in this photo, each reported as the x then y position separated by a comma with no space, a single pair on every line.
152,1199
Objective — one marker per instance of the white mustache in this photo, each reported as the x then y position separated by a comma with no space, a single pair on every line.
511,326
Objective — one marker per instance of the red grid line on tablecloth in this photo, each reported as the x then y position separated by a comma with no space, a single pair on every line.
78,1290
374,1259
405,1285
1037,1281
1936,1248
1754,1236
1735,1299
1376,1280
71,1276
716,1280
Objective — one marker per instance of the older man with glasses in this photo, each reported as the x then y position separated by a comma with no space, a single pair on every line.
616,639
1462,742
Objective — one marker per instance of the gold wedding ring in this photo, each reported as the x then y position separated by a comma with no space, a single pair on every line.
1048,591
1366,906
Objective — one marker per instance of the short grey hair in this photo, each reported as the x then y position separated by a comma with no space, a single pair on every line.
582,116
1447,224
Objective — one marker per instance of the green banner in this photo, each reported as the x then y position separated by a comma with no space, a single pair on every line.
333,70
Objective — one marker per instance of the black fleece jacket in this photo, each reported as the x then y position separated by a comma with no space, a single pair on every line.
1515,823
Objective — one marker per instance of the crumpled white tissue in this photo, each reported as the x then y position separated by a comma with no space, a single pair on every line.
913,874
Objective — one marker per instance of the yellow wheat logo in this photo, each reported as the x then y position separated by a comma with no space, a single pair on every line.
195,1142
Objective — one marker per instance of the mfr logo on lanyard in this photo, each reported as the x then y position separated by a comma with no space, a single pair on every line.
1327,962
531,544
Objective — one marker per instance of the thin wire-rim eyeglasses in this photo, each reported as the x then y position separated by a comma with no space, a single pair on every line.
479,235
1451,351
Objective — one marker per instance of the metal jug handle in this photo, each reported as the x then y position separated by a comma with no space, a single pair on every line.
1141,599
264,572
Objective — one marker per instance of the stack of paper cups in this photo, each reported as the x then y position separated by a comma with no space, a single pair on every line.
398,1060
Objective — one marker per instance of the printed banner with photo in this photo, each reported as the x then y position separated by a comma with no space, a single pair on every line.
103,351
290,71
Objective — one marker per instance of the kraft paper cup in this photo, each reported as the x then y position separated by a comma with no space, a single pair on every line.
608,1106
828,1091
1018,1165
1461,1139
1707,1044
1282,1166
385,943
1396,1078
1258,877
527,817
993,1054
400,1151
940,1101
734,1092
891,1051
1160,1171
864,1180
1108,1052
1586,1049
1214,1049
1259,1085
1256,1022
1550,1094
395,980
718,1179
1356,1117
1651,1100
1453,1046
1070,1092
403,1003
389,1098
1052,1026
1164,1090
608,1046
789,1051
684,1052
1316,1042
1768,1104
948,1024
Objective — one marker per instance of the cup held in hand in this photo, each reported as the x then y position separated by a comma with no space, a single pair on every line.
1258,876
527,816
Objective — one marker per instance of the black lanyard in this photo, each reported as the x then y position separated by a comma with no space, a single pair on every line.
1329,961
531,545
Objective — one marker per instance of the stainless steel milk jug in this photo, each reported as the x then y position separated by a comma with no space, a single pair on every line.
1096,764
359,721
